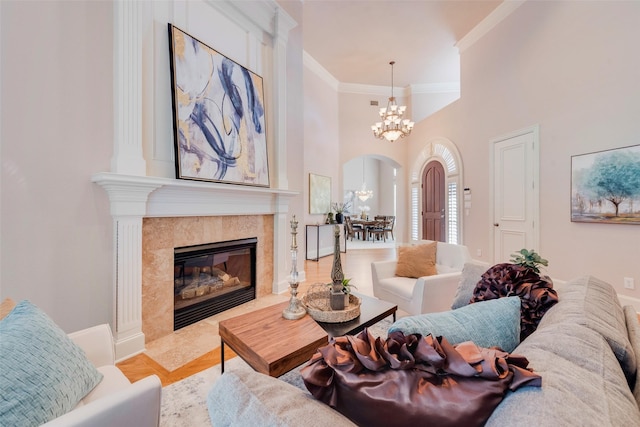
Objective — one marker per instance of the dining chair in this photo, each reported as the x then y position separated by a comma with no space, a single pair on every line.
391,221
352,231
377,230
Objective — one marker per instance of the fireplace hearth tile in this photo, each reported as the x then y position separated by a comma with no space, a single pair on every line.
187,344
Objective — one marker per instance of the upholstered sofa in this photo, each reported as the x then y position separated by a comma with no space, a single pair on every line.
424,294
54,366
585,348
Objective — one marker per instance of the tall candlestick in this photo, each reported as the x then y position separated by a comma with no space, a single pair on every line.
295,310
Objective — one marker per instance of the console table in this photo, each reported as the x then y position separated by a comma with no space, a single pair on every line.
319,240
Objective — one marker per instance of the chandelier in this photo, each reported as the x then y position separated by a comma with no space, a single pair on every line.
364,194
392,126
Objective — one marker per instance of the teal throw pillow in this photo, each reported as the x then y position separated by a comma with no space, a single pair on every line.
486,323
43,374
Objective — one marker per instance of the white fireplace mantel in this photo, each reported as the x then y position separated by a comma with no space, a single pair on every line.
165,197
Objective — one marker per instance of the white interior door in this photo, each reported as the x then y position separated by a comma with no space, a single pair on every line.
515,191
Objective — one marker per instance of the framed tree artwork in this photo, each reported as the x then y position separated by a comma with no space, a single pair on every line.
605,186
218,115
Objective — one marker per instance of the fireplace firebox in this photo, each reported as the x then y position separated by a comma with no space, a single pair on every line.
212,278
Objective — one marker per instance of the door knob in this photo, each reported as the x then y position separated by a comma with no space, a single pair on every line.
495,224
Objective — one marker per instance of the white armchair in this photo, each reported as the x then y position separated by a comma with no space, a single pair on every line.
426,294
115,401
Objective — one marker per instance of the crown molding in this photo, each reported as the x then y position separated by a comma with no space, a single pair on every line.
257,17
500,13
373,90
360,89
317,69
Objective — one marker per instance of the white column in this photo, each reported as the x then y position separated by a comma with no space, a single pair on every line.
282,246
127,91
283,24
128,207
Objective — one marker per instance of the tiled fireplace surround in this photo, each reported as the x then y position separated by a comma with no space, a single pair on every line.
161,235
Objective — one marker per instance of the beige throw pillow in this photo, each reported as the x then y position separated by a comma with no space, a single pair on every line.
417,261
6,306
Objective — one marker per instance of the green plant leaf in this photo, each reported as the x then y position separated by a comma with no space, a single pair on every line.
528,259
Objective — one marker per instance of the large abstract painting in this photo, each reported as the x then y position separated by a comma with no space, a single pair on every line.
605,186
218,114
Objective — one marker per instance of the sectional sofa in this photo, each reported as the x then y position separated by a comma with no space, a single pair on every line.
585,348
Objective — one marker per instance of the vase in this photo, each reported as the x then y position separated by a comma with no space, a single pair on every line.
339,217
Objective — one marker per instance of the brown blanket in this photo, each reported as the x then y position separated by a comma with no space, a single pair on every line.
413,380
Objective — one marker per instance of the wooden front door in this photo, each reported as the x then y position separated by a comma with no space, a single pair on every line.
433,202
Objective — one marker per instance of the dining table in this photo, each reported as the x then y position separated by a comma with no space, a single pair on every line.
365,224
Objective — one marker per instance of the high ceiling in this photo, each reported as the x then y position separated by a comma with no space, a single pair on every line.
356,39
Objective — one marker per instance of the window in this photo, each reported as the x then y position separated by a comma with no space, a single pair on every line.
415,212
452,207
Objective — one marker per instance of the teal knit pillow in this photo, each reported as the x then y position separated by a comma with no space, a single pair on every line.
486,323
43,374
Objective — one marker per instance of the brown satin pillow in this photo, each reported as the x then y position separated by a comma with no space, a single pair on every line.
417,261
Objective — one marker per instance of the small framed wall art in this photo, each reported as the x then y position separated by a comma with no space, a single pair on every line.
218,115
319,194
605,186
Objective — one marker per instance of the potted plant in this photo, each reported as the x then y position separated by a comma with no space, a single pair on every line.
329,219
529,259
363,211
340,209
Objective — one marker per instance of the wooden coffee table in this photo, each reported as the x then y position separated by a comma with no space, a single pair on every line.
273,345
270,343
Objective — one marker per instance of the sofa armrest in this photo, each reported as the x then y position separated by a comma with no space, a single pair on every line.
436,292
138,405
383,270
97,343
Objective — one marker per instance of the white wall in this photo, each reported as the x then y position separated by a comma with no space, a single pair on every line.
572,68
321,139
57,130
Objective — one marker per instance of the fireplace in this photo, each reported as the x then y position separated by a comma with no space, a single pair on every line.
211,278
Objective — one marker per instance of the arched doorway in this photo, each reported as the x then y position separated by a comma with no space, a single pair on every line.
433,202
445,153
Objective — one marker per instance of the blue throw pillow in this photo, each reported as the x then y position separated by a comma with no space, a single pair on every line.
43,374
486,323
